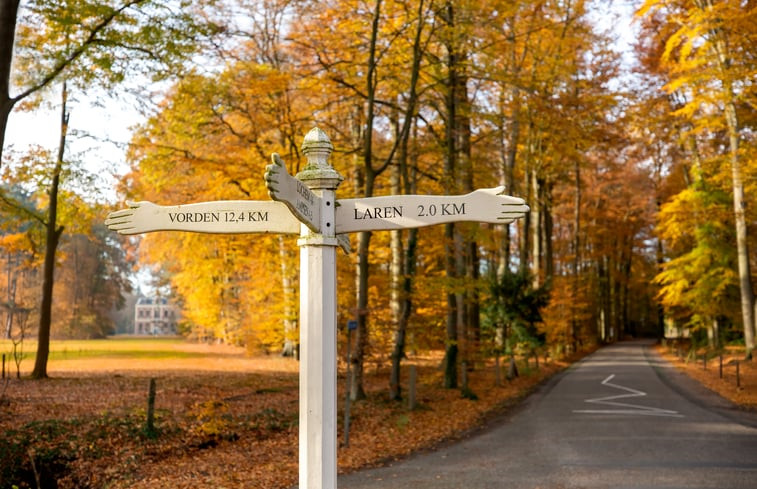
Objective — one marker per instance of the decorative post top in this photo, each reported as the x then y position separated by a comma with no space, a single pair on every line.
318,173
317,144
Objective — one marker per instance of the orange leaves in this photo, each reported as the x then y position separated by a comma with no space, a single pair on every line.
227,426
15,242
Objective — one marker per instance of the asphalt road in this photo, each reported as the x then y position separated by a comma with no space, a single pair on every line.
621,418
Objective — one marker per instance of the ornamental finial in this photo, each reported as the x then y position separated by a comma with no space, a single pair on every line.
317,148
317,141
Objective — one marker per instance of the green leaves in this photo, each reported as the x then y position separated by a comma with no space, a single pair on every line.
94,42
514,307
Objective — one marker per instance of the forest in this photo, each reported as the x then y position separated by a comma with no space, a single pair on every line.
638,165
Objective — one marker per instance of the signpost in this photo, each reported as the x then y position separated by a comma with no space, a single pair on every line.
306,204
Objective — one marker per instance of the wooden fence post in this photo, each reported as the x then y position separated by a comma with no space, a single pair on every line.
411,397
738,377
150,424
721,366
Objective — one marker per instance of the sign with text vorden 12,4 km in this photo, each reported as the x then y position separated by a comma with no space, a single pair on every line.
309,199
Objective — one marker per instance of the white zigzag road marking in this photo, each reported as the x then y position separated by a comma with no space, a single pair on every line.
626,408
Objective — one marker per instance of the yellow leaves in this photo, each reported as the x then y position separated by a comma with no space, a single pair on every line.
677,216
648,7
675,286
700,278
212,418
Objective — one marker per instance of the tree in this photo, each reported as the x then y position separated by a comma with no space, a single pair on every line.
92,270
53,233
97,40
418,97
91,280
367,73
18,251
709,55
218,131
8,19
86,41
405,181
699,284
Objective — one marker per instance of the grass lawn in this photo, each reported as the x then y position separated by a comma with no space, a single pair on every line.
129,353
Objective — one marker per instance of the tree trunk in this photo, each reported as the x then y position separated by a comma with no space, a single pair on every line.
536,218
605,323
549,259
466,247
357,391
713,334
8,16
524,224
12,283
450,348
405,180
626,263
289,349
508,179
52,238
742,244
576,256
462,305
397,273
720,46
451,134
660,259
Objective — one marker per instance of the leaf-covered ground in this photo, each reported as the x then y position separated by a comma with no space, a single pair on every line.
221,420
742,391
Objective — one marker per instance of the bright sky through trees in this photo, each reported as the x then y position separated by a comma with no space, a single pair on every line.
100,135
102,126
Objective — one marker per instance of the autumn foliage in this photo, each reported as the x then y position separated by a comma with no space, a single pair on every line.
417,99
637,174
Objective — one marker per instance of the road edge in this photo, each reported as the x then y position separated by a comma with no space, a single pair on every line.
696,392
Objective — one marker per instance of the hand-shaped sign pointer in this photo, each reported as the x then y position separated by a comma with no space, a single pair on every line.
411,211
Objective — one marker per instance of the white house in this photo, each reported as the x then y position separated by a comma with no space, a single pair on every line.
154,316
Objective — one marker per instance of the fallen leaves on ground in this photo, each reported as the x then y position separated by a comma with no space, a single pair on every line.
224,429
742,391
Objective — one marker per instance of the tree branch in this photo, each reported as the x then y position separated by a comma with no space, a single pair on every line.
14,204
76,53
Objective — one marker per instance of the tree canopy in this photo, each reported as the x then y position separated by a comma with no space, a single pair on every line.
638,177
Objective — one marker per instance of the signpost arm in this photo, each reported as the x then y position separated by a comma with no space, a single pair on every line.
412,211
222,216
318,402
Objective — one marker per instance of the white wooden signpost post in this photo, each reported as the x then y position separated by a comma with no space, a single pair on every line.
306,204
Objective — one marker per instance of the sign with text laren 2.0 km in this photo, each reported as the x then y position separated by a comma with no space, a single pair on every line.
309,198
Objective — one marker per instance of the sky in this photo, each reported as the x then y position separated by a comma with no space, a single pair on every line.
98,136
100,133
